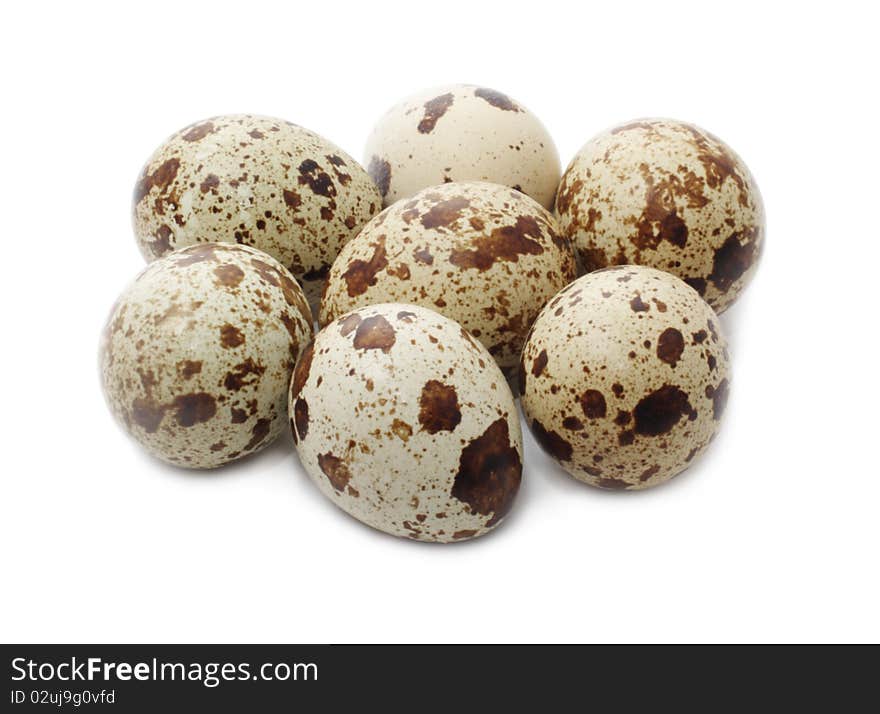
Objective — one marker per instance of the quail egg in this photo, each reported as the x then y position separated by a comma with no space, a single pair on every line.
198,351
482,254
461,133
405,422
625,377
257,181
668,195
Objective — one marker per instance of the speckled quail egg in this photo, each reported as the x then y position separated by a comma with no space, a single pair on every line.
484,255
668,195
258,181
625,377
461,133
404,421
198,353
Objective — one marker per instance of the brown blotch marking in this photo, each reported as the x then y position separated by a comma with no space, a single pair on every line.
258,434
504,243
229,275
648,473
434,109
374,333
292,199
539,363
467,533
162,242
698,284
567,194
423,255
256,134
661,410
612,484
161,178
719,396
210,183
489,473
301,417
554,444
617,389
401,429
196,254
691,454
292,327
349,323
353,492
301,371
194,409
593,403
438,407
625,438
637,305
335,469
187,368
401,271
238,377
218,446
238,416
699,337
731,261
231,336
406,316
623,418
318,180
572,423
361,274
497,99
670,346
147,414
380,171
661,306
444,213
199,131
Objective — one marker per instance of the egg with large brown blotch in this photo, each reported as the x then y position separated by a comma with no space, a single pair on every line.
404,421
461,132
198,351
256,181
625,377
482,254
668,195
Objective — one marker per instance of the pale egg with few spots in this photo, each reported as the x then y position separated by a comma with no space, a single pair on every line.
404,421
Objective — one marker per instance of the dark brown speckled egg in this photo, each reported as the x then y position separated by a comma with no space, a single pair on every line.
668,195
256,181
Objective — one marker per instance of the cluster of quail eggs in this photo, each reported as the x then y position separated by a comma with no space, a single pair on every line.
443,277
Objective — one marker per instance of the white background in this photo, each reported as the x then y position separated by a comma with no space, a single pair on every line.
772,536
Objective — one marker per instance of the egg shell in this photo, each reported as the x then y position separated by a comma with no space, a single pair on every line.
198,352
461,133
404,421
484,255
668,195
625,377
257,181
